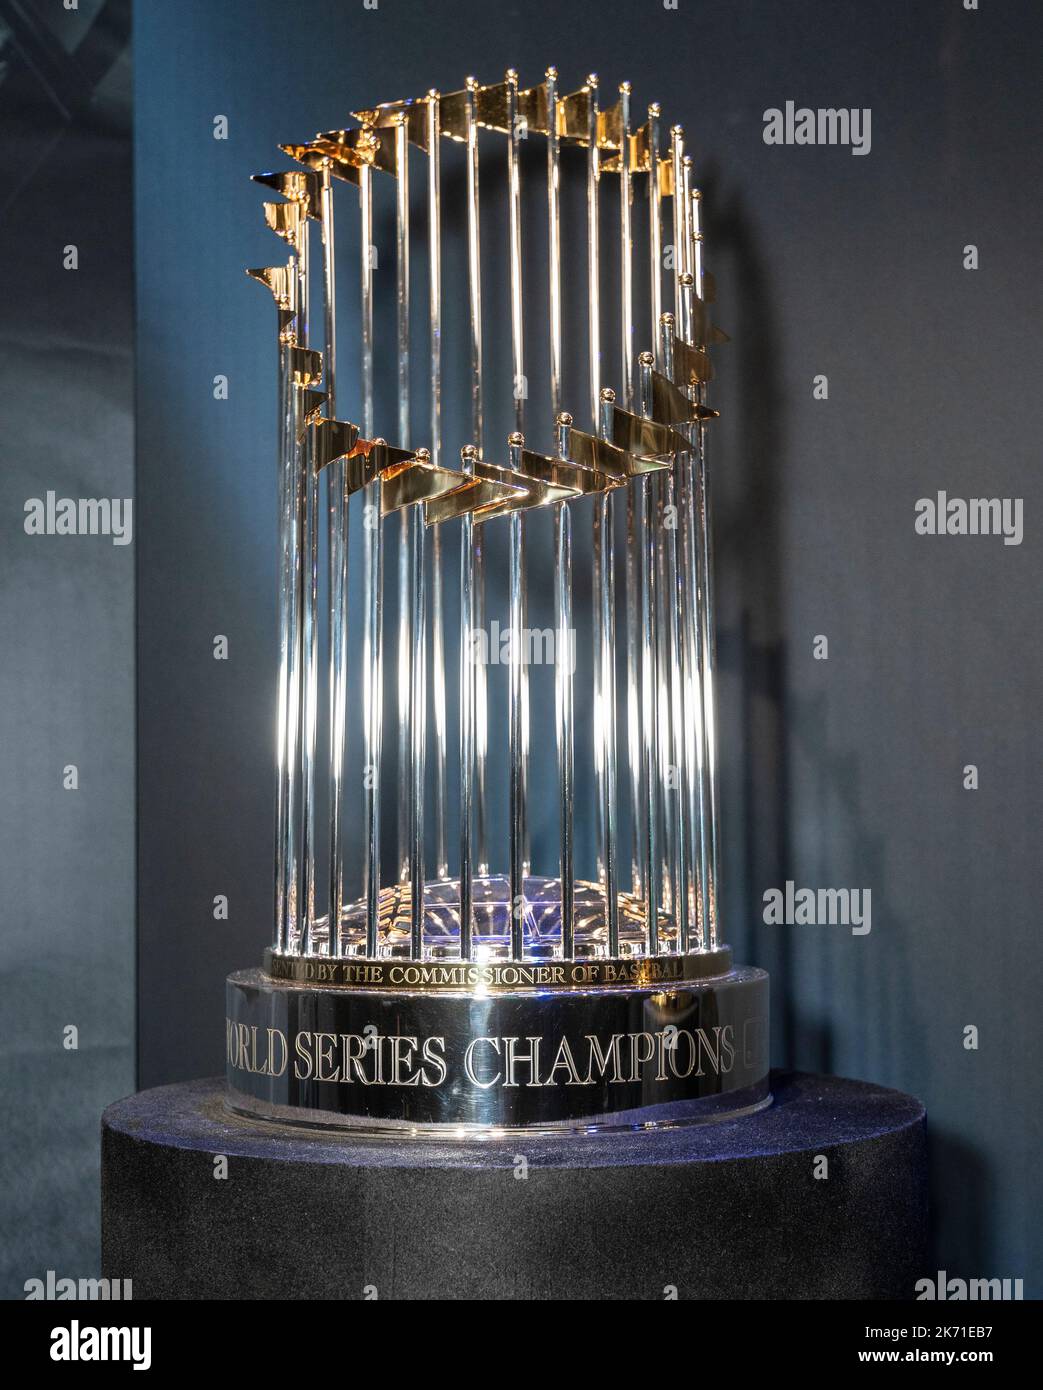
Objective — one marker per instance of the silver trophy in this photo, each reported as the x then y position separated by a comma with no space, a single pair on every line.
484,977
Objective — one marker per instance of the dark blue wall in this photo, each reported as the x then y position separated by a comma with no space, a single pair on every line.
846,772
66,626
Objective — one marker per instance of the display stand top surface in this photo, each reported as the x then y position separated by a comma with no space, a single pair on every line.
810,1113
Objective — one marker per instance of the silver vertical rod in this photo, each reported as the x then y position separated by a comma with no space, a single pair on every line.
419,734
675,822
337,555
602,575
514,222
469,455
677,828
626,268
481,716
709,626
638,793
373,649
402,277
310,694
519,711
517,521
516,751
303,320
366,294
632,567
665,608
404,690
329,288
688,825
563,656
679,219
593,252
655,227
439,702
286,766
404,637
563,675
481,729
468,660
698,792
474,263
633,658
308,633
418,605
605,685
554,237
434,167
649,684
690,864
296,502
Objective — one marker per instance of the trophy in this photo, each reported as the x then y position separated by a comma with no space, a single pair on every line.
481,925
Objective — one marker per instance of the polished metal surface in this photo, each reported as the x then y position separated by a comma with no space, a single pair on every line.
577,1057
628,489
488,974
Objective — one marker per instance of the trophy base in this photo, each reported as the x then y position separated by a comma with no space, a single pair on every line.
724,1211
488,1049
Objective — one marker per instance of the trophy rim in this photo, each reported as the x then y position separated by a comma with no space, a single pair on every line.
345,1126
477,979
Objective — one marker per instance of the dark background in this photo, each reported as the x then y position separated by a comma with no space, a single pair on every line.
66,624
846,772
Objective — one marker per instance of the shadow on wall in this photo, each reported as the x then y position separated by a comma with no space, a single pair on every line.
962,1209
886,1019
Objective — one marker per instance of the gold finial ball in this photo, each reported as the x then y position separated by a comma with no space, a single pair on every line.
592,79
551,74
646,359
564,418
512,76
686,278
655,110
471,83
469,451
423,455
625,88
677,130
607,394
667,319
516,439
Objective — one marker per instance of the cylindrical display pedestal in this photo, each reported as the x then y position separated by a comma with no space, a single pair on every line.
822,1195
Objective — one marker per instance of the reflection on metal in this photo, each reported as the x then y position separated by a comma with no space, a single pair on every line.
473,900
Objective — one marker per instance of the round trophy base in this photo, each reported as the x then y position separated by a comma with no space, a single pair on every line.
723,1211
455,1049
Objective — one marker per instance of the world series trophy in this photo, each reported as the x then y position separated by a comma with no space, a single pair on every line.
490,975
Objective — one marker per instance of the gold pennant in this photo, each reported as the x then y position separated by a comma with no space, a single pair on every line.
317,154
297,185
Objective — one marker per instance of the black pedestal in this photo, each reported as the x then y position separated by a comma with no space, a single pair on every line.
823,1195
